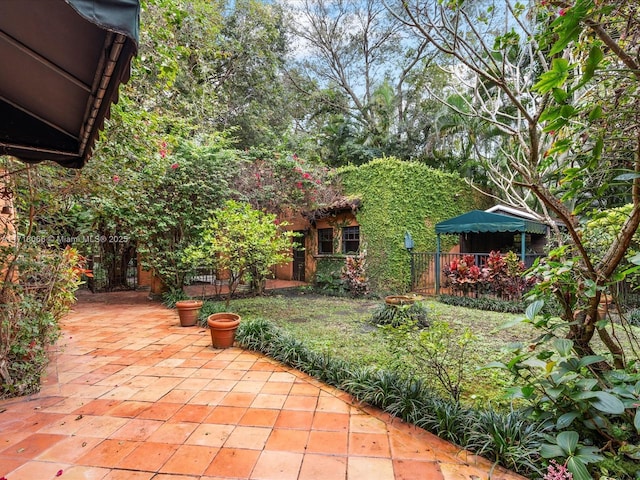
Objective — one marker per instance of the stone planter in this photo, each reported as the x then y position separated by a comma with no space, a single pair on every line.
188,311
402,299
223,328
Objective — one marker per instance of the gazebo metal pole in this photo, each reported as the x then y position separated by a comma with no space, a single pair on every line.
437,272
523,242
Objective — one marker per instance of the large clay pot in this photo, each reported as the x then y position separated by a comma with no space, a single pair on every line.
223,328
188,311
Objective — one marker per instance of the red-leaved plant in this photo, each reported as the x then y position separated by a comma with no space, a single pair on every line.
354,275
501,275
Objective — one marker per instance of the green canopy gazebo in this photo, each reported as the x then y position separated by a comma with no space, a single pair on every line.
478,221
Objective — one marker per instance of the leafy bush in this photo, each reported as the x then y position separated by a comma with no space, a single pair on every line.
441,353
484,303
408,398
495,304
329,274
354,274
396,315
590,410
170,298
36,289
166,201
243,243
209,308
502,275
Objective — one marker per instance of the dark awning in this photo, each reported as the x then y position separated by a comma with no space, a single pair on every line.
478,221
62,64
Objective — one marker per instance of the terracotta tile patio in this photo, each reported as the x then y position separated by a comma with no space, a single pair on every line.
131,395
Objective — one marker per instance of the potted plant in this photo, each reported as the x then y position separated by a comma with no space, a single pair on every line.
188,311
223,328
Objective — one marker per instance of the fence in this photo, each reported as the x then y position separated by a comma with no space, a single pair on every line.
425,279
104,279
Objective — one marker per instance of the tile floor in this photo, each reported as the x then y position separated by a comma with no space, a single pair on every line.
131,395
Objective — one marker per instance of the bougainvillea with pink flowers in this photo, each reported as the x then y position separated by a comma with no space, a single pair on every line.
277,181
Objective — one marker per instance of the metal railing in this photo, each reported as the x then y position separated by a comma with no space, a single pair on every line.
103,280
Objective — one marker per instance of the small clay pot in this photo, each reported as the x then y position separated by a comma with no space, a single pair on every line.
223,328
188,311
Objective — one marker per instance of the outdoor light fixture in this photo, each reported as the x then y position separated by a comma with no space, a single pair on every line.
408,241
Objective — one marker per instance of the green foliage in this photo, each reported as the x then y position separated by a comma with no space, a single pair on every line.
438,349
40,268
569,392
240,242
397,197
575,456
602,230
170,202
495,304
329,274
397,315
248,72
484,303
510,439
213,65
209,308
170,298
36,291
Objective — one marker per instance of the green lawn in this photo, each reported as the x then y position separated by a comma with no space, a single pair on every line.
341,327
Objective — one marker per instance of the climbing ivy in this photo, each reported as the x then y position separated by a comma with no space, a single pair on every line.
398,197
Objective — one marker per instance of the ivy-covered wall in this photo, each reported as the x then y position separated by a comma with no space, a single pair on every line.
399,196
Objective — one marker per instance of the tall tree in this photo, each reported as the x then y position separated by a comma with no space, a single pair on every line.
213,66
361,53
248,73
172,73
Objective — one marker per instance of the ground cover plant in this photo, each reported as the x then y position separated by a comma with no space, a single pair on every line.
343,327
434,377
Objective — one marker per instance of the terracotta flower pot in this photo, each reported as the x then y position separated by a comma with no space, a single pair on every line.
188,311
223,328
